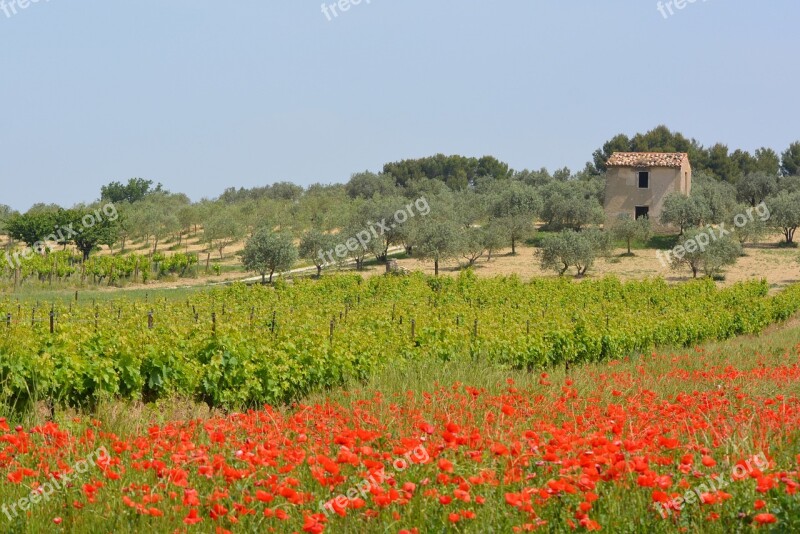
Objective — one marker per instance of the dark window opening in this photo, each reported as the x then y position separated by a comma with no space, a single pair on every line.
642,211
644,180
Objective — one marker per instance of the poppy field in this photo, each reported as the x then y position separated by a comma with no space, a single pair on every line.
702,439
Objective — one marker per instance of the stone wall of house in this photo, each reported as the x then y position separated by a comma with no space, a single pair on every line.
623,193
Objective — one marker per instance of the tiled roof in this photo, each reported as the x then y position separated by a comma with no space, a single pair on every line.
646,159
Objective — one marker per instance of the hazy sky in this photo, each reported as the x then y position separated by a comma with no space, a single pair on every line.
204,95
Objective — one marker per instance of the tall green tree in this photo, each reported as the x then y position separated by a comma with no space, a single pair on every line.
721,165
659,139
94,227
790,160
367,184
135,190
458,172
618,143
33,226
768,161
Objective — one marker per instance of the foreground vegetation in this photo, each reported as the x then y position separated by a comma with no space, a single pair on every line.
243,346
486,449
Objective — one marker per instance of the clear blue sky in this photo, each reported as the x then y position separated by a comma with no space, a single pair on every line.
204,95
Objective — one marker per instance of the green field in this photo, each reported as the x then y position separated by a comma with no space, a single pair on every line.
242,346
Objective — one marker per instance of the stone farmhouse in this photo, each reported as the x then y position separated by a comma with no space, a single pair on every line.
638,182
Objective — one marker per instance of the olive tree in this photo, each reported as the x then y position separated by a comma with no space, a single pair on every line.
626,228
494,238
315,245
753,188
702,250
785,213
515,206
571,204
221,229
753,229
559,252
268,252
717,199
474,243
683,212
437,239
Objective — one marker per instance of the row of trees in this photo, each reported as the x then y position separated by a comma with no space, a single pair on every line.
717,161
478,205
766,203
86,227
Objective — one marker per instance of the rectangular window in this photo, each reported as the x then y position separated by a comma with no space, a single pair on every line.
642,211
644,180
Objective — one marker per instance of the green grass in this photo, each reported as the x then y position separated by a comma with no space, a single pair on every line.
67,295
774,347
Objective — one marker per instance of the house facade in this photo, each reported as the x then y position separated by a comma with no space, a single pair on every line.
638,182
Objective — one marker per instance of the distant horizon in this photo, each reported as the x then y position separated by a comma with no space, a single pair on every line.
202,98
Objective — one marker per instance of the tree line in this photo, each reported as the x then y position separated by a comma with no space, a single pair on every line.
477,207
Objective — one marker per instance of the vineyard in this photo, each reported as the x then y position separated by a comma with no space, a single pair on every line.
245,346
67,266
